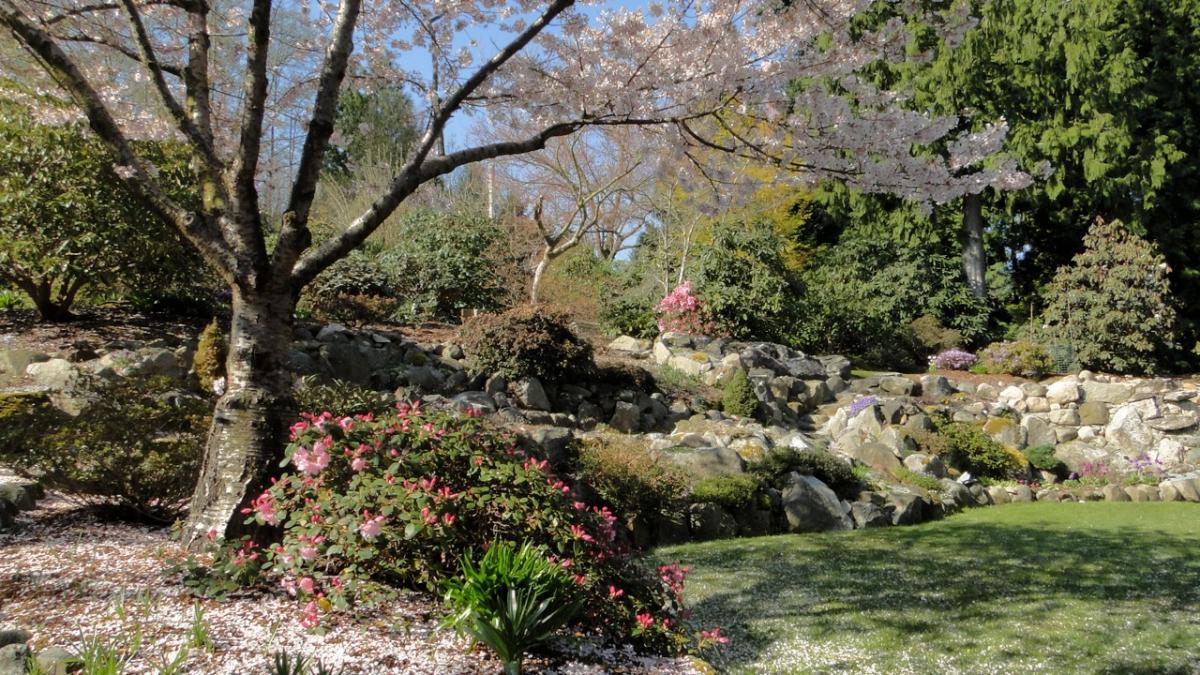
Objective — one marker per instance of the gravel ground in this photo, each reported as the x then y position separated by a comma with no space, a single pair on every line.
66,576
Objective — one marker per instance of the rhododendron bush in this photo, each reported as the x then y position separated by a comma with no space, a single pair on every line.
682,312
399,499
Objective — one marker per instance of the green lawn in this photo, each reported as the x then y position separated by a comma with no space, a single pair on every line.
1049,588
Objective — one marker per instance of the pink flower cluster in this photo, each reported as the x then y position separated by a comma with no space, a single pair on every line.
680,311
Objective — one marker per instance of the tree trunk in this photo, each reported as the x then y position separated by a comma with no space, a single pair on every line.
973,261
250,422
41,294
538,273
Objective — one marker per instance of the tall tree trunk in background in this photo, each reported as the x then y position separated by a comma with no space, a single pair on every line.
250,422
538,272
973,260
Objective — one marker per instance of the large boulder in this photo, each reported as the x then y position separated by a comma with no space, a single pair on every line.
877,456
706,462
631,346
1064,391
530,394
810,506
868,514
1128,431
710,521
53,374
1113,393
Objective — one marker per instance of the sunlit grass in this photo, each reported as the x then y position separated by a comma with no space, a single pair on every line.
1053,588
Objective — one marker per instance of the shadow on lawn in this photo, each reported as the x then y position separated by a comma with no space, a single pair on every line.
956,585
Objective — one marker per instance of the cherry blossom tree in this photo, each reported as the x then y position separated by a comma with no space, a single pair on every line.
758,79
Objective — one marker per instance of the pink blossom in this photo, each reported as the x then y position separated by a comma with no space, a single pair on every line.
358,464
310,618
371,527
313,462
645,620
309,553
307,585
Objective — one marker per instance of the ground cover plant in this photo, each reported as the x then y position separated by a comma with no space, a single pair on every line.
1056,588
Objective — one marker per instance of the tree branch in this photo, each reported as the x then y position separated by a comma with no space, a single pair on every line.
294,237
146,50
410,178
452,104
66,74
254,94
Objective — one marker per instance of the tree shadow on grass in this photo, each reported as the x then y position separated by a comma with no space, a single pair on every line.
1004,589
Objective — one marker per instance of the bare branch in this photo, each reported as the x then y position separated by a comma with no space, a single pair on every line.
254,94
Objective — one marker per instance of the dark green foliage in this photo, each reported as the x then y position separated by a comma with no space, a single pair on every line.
1101,107
512,600
737,395
862,296
620,315
527,341
68,225
21,416
136,448
437,267
339,397
441,267
966,447
733,492
745,284
831,470
624,476
1042,457
209,360
1112,304
376,128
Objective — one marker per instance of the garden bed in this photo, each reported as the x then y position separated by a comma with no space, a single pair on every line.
67,577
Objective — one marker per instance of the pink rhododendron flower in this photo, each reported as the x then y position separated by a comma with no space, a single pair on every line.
371,527
309,553
311,618
307,584
645,620
358,464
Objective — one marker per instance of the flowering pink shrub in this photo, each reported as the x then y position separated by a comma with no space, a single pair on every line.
680,311
400,498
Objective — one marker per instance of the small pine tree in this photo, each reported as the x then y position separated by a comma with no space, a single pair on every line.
1112,303
737,396
209,360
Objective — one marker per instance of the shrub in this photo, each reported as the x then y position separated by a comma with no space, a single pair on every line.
1042,458
1022,357
831,470
733,492
1112,304
339,397
737,396
401,498
209,360
953,359
862,295
512,600
136,448
527,341
624,316
682,312
626,477
907,476
966,447
932,336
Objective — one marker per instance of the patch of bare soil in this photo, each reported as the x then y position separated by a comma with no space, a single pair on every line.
94,327
66,576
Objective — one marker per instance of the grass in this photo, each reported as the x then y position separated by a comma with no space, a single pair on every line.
1052,588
